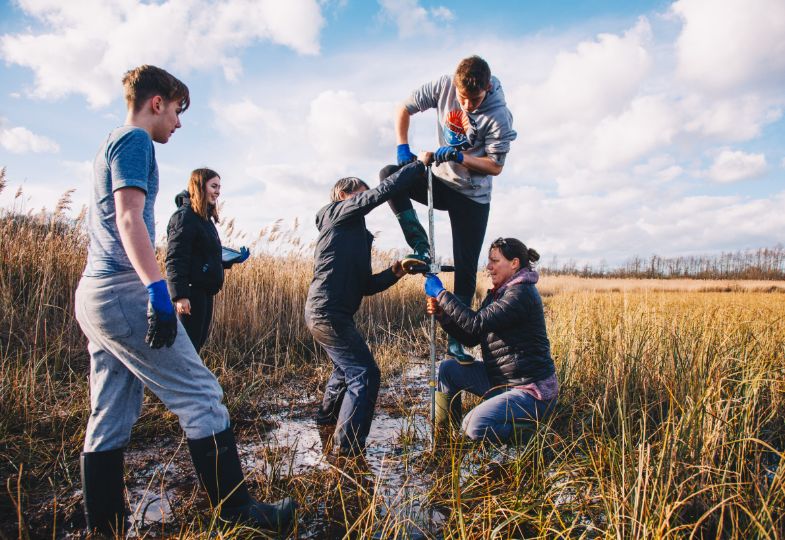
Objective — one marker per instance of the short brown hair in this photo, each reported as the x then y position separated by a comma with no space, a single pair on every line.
147,81
473,75
196,191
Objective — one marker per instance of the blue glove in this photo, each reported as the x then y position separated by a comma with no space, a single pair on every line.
161,321
405,155
447,153
244,254
433,285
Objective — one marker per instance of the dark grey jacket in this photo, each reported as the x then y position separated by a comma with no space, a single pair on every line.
193,252
342,262
510,329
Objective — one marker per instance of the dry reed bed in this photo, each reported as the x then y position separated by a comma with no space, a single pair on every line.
669,424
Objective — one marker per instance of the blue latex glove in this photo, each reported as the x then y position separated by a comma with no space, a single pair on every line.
244,254
161,321
405,155
433,285
447,153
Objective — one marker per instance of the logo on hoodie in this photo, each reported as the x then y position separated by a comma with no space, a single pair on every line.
458,129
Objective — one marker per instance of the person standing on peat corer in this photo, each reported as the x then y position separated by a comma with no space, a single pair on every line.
475,132
342,276
134,338
194,266
516,378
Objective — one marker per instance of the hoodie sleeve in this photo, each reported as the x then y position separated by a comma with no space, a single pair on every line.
499,132
179,250
427,96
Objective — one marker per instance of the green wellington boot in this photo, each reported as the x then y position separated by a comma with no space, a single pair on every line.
416,237
454,347
448,414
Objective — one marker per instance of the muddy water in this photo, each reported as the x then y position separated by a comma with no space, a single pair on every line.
399,436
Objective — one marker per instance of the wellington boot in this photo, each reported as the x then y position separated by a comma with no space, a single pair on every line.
416,237
455,350
103,492
218,468
448,416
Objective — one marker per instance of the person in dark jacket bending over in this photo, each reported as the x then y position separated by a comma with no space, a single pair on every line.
194,268
517,378
342,276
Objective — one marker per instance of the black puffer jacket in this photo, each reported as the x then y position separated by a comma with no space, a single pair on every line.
342,261
193,252
510,329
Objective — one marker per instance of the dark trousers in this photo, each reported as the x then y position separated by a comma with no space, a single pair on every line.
197,324
468,221
351,391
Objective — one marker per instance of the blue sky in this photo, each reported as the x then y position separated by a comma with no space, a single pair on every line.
643,127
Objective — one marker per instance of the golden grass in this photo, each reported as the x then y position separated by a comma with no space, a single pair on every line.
669,425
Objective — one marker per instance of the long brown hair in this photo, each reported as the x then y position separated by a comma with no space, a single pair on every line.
197,186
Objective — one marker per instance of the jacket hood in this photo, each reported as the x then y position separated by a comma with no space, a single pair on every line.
182,198
493,99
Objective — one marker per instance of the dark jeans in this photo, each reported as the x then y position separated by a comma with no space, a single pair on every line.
468,220
197,324
503,408
351,391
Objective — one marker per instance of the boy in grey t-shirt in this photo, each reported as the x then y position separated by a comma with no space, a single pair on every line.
474,128
134,338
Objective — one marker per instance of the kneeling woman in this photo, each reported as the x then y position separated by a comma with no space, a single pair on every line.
517,378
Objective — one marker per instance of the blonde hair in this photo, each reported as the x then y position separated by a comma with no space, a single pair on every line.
197,186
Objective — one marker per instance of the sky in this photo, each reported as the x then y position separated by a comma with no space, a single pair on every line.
648,127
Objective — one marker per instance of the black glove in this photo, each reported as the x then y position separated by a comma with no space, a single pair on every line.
161,328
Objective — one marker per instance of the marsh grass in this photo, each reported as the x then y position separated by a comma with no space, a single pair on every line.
669,424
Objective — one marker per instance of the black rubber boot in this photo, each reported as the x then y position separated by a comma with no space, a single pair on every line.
103,492
218,468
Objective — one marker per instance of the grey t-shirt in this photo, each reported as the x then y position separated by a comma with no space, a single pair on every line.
126,159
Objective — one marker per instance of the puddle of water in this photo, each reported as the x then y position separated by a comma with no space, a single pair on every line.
394,446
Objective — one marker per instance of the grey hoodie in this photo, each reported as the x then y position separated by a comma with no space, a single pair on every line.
484,132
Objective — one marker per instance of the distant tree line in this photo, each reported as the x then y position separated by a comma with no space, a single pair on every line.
763,263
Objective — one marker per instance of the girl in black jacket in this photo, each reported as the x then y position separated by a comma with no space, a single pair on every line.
194,267
517,378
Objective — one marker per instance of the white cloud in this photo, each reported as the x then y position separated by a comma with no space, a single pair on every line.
737,118
734,165
727,44
343,129
648,124
598,78
97,41
246,117
20,140
412,19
